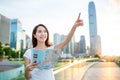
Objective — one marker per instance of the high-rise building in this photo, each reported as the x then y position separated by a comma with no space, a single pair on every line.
56,38
77,48
28,42
82,44
95,41
72,45
66,48
4,29
16,40
92,20
11,32
69,48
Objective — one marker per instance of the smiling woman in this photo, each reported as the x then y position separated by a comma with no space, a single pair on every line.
40,40
41,34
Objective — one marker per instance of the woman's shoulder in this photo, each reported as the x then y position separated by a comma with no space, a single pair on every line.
28,52
51,47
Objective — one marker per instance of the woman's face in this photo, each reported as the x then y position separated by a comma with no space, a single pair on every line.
41,34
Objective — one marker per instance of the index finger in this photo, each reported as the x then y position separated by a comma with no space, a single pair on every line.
79,16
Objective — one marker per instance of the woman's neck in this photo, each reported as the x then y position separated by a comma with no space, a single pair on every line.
41,46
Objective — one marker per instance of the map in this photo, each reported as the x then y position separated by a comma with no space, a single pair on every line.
46,59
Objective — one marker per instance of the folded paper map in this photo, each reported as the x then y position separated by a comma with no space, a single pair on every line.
46,59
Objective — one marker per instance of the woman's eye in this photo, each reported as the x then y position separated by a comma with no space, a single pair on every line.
42,31
39,31
45,31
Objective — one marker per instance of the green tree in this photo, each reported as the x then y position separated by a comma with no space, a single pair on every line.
7,51
22,53
14,54
97,56
1,49
7,44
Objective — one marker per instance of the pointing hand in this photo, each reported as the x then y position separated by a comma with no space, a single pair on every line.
78,22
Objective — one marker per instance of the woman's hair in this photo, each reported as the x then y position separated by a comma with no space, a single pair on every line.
34,40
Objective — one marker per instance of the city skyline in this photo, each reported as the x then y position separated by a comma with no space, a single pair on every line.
59,16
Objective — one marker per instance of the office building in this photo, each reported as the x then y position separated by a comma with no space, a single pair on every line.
82,45
4,29
16,35
95,41
69,48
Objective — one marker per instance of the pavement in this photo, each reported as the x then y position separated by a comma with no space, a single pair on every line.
102,71
74,71
84,69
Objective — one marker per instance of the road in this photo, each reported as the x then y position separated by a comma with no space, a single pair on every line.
103,71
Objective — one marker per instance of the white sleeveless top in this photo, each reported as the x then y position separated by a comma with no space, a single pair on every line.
40,74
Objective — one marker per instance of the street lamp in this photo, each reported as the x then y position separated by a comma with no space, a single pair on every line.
19,56
4,55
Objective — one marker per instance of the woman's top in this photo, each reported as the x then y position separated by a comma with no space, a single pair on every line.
39,74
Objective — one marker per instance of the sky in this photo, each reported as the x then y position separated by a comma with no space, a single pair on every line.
60,15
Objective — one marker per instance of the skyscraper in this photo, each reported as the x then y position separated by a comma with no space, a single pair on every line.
69,48
4,29
16,41
82,44
95,41
92,20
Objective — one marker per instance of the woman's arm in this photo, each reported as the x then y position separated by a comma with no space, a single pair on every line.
27,72
28,68
70,34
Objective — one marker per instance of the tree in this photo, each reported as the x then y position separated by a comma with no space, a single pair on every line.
22,53
97,56
1,49
7,51
14,54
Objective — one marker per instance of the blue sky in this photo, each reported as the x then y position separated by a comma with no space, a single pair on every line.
59,16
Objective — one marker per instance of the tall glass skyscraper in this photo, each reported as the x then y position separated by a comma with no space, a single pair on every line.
4,29
16,41
95,41
11,32
82,44
69,48
92,20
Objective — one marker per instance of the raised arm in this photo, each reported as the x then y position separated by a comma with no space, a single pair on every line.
77,23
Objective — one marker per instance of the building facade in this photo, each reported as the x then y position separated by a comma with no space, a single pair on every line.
11,33
95,40
4,29
82,44
69,48
16,35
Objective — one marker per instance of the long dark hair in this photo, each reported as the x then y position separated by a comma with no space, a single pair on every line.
34,40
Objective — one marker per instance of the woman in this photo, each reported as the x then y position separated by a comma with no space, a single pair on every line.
40,41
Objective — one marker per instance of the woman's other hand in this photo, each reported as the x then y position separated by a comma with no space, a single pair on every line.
30,67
